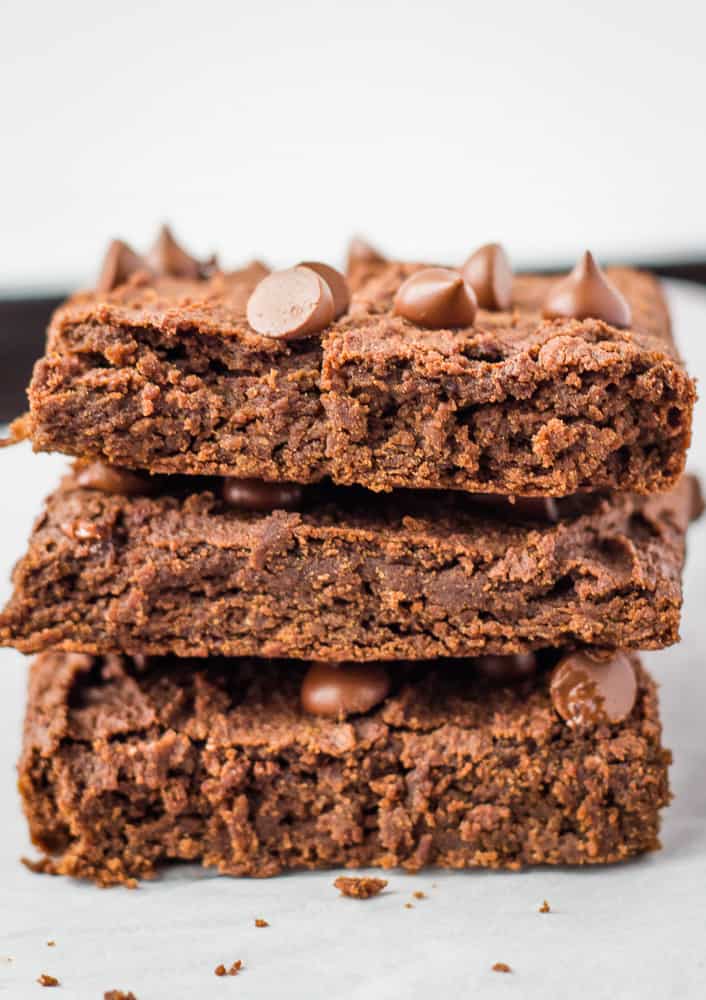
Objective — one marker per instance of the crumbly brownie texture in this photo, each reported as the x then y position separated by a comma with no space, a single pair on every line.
124,768
406,576
168,376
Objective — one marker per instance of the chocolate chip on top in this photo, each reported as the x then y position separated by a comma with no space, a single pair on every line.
109,479
489,274
437,298
336,690
256,494
336,283
167,258
291,304
119,264
586,293
361,252
589,690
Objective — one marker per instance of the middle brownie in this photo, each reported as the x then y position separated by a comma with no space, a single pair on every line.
346,576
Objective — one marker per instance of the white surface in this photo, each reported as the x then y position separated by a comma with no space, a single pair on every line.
279,128
630,931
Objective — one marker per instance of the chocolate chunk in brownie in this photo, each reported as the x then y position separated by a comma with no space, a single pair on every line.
125,768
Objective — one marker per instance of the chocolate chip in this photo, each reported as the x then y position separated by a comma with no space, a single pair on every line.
337,284
489,274
255,494
506,669
587,294
361,252
290,304
108,479
544,509
119,264
337,690
588,690
167,258
436,297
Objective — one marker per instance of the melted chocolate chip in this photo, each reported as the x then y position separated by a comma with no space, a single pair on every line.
337,284
489,274
337,690
437,298
506,669
119,264
587,294
168,258
291,304
255,494
108,479
589,690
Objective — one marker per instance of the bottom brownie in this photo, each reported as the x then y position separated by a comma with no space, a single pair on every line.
128,764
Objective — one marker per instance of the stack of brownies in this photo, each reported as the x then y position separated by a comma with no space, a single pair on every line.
351,571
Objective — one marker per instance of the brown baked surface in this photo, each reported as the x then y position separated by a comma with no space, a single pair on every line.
351,576
169,377
124,768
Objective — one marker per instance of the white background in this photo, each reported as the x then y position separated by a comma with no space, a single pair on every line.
279,128
630,932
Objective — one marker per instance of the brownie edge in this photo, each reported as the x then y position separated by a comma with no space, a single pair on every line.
126,767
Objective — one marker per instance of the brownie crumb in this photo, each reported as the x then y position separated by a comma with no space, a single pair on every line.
261,923
46,980
501,967
119,995
419,894
360,888
409,906
545,907
42,866
51,944
235,968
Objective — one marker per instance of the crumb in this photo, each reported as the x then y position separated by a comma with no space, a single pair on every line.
360,888
545,907
119,995
419,894
408,906
51,944
41,867
6,960
235,968
261,923
501,967
46,980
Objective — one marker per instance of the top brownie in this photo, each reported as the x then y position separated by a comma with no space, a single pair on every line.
166,374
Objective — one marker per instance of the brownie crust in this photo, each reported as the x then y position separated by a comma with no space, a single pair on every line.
124,769
349,577
169,377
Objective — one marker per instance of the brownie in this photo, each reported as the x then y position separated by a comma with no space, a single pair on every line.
349,576
125,767
165,374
